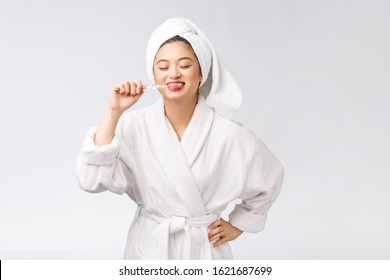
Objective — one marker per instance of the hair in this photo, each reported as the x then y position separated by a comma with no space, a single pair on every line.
176,38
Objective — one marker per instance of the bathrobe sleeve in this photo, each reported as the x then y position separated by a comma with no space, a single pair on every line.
262,186
99,167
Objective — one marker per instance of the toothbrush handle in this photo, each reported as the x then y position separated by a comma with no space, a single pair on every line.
152,87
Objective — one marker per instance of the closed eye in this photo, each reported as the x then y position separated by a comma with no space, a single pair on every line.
185,66
163,68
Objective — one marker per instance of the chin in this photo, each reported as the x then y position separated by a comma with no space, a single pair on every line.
176,95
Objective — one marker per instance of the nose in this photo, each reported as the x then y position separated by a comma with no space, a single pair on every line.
174,73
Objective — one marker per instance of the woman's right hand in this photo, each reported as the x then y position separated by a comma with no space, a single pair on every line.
124,95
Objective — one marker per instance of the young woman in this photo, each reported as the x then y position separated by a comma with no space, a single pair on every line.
183,159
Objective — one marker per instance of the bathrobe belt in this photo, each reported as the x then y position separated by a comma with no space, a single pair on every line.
195,229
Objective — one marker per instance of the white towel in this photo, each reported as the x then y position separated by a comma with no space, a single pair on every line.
221,91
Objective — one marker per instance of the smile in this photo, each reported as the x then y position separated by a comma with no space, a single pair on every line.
175,86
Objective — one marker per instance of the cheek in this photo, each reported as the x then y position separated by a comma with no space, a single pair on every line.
197,77
158,75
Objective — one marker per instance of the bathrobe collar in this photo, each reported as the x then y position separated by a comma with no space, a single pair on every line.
176,157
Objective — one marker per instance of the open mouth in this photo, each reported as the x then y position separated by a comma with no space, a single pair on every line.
175,85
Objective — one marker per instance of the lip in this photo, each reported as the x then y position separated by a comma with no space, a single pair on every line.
174,86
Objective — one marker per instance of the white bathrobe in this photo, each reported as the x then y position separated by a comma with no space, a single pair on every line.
181,187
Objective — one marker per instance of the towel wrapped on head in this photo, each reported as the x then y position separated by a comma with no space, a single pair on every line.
218,86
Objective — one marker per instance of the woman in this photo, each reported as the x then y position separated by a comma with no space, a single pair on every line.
182,160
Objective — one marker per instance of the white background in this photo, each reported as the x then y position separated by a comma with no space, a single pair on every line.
315,77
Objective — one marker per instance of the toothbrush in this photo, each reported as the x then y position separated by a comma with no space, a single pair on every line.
153,87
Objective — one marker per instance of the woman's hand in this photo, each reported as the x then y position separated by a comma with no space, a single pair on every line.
124,95
223,231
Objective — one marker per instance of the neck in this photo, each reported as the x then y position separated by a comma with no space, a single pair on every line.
179,113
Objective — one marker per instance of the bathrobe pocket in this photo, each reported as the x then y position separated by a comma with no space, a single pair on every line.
147,239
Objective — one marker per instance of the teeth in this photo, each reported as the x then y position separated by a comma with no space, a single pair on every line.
177,85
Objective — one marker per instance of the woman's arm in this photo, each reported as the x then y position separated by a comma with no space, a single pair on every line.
263,183
122,97
99,167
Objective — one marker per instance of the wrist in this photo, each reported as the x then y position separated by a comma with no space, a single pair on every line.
116,113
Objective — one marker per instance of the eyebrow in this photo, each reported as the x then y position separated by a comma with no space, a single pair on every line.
165,60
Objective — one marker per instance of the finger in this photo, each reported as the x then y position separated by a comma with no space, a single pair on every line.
219,242
122,89
139,87
215,231
216,236
133,88
215,224
127,87
116,88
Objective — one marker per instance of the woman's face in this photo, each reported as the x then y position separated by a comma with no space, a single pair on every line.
177,67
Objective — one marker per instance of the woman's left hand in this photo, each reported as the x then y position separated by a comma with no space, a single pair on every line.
223,231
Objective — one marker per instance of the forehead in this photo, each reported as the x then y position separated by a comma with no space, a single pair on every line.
174,51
